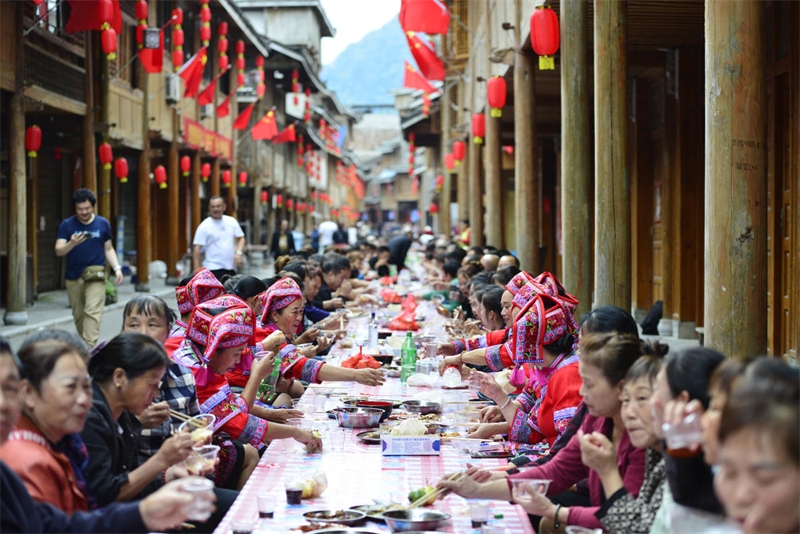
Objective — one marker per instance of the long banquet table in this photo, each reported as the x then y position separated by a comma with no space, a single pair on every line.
360,473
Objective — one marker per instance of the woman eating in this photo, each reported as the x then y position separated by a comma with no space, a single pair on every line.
201,287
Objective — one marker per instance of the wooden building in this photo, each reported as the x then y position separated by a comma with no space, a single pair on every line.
641,173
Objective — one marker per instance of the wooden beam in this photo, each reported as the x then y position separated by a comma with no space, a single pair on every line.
612,214
493,173
526,175
17,224
143,211
736,178
173,205
215,178
104,176
576,156
195,190
89,166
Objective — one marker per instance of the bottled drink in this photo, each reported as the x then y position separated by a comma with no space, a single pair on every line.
269,384
408,354
372,343
451,377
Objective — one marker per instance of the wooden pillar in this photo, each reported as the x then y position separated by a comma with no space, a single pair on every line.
230,198
196,216
494,183
104,176
735,178
443,216
174,206
215,178
143,211
576,156
462,186
612,214
17,225
526,176
88,163
33,220
475,196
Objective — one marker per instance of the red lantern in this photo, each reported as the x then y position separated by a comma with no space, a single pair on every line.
140,33
108,39
177,59
545,36
240,63
478,128
161,176
261,89
222,29
260,61
223,63
177,16
205,14
226,177
177,37
121,168
450,162
33,140
141,11
186,165
205,34
289,204
105,13
264,197
222,46
439,183
459,151
496,94
279,200
434,209
205,171
106,155
240,78
243,179
311,208
240,47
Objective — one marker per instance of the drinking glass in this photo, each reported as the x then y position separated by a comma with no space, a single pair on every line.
202,491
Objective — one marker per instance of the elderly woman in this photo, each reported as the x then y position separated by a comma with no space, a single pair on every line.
45,449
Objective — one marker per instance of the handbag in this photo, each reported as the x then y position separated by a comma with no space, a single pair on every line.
94,273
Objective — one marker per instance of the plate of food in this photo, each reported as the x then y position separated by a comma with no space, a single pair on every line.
375,511
342,517
371,437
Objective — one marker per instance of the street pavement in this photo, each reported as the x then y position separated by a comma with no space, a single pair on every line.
52,310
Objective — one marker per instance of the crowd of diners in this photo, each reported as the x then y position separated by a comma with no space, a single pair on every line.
90,441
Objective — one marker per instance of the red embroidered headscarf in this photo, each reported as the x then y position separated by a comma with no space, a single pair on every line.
203,287
212,329
279,295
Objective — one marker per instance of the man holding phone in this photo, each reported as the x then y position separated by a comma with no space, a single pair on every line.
85,239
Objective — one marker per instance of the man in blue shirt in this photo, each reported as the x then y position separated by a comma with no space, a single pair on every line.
85,239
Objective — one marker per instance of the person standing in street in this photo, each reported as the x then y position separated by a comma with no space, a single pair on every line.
85,239
220,239
282,241
326,231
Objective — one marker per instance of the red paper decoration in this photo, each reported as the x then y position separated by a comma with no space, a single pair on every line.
434,209
226,177
33,140
261,88
222,46
496,95
121,169
205,34
177,59
141,11
205,171
177,16
106,155
240,79
108,40
264,197
186,165
160,174
279,200
105,12
260,61
223,62
439,183
289,204
177,38
243,179
478,128
545,36
240,63
459,151
205,19
222,29
450,162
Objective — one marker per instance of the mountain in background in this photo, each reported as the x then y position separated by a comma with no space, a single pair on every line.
366,71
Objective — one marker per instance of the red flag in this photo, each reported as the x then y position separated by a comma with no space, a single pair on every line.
84,15
207,95
224,109
153,59
430,65
427,16
266,128
415,80
287,135
243,119
192,73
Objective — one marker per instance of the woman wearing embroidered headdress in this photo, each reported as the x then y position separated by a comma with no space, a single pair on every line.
282,314
202,287
219,330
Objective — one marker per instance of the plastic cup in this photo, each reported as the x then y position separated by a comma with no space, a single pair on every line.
338,438
295,402
479,513
201,427
294,492
242,526
319,402
538,484
266,506
583,530
202,492
682,436
430,350
201,458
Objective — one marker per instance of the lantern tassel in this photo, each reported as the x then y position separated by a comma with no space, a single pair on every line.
123,180
31,153
205,179
162,186
496,113
477,140
107,166
547,63
112,56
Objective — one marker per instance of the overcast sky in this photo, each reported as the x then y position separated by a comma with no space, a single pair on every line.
353,19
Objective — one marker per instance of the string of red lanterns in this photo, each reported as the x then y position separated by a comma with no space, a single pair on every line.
205,20
142,11
177,37
108,36
240,63
222,46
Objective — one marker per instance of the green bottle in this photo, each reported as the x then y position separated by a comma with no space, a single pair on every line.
269,384
408,357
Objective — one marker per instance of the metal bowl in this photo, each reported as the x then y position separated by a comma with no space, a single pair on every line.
386,406
327,516
422,407
414,519
359,417
436,428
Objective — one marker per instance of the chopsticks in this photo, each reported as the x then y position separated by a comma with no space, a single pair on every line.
187,525
436,494
507,467
187,419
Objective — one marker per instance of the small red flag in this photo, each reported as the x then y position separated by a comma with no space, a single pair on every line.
153,59
287,135
224,109
266,128
207,95
427,16
414,80
85,15
243,119
430,65
192,73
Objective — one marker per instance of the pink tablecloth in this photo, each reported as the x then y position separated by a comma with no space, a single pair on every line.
360,474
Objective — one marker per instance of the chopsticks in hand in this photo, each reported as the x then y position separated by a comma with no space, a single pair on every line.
441,492
186,418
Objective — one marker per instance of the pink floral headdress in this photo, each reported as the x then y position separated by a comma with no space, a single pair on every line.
212,329
203,287
279,295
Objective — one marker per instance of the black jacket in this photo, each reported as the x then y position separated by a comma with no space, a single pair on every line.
276,239
20,513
